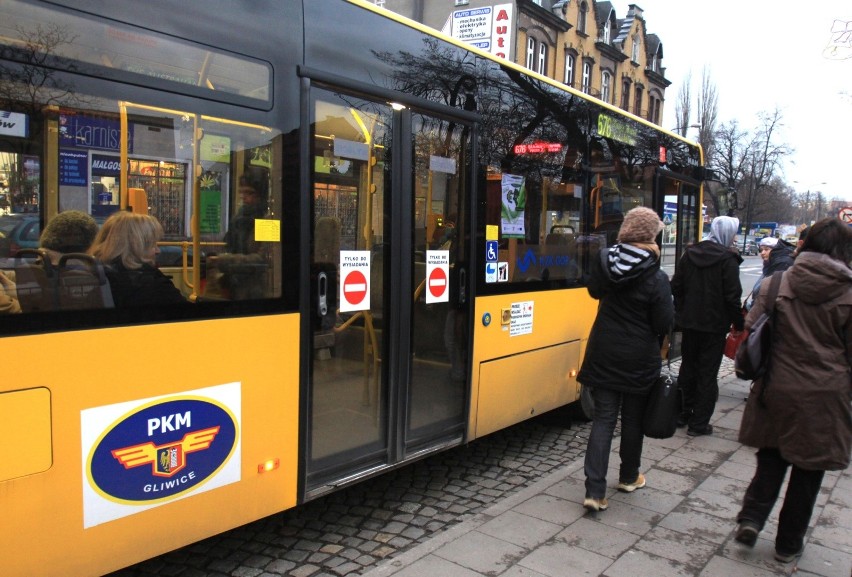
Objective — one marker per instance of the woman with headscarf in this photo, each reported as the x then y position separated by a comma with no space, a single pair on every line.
707,292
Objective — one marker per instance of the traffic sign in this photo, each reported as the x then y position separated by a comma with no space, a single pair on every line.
845,214
437,275
437,282
355,288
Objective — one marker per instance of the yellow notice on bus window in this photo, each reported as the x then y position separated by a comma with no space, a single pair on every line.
267,230
491,232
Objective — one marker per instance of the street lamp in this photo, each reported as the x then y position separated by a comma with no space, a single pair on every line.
685,128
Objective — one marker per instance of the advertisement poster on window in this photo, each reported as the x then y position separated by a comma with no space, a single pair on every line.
514,196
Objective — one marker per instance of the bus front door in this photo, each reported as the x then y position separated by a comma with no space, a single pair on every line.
390,313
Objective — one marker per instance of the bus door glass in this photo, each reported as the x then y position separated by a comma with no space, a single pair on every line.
350,156
439,319
682,217
388,309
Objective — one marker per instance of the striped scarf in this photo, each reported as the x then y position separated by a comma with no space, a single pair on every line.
626,261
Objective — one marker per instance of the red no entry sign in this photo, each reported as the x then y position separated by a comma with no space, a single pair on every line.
437,282
437,273
354,287
845,214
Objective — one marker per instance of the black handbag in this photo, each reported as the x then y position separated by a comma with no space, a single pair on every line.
663,407
753,353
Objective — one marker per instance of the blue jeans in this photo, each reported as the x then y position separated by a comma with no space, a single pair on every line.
607,406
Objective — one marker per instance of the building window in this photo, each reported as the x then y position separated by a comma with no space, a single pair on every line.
637,104
607,31
581,17
625,95
569,69
530,52
654,105
636,44
587,77
605,81
542,59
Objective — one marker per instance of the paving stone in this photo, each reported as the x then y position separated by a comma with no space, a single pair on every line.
686,549
280,566
519,529
481,553
554,559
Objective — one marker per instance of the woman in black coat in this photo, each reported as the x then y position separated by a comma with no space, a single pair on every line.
127,245
623,353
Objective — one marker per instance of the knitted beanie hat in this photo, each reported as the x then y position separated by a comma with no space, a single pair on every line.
641,224
769,241
69,231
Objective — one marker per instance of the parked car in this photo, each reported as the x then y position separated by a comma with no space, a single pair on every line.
750,248
18,231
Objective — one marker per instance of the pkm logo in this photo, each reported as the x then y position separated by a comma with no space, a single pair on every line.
162,450
166,460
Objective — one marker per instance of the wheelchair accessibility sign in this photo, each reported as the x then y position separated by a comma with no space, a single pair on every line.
491,251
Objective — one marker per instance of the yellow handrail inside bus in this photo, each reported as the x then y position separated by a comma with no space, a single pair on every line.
595,201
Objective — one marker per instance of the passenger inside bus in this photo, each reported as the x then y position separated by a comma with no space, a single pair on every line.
71,231
240,272
240,238
127,246
8,298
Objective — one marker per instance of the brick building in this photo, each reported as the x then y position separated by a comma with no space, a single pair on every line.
582,43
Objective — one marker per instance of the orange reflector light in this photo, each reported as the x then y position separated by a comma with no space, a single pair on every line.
573,373
269,465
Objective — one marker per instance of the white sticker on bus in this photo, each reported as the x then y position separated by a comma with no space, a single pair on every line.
144,453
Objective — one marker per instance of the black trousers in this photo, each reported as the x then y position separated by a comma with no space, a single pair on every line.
760,497
699,371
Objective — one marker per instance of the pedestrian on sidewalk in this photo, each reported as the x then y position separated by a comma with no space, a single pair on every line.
798,414
707,292
777,255
623,354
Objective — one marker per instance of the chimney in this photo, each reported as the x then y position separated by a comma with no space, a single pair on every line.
635,11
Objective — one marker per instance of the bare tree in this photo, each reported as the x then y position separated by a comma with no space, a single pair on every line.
683,105
29,84
749,164
707,105
728,161
777,203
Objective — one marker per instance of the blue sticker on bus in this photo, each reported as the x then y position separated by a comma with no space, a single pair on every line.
490,251
163,450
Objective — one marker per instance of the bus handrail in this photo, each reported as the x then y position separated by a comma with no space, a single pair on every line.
184,245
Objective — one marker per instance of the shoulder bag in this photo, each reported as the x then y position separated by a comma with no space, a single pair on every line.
753,353
663,407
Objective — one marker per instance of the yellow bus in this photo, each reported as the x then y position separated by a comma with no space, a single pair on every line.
411,274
